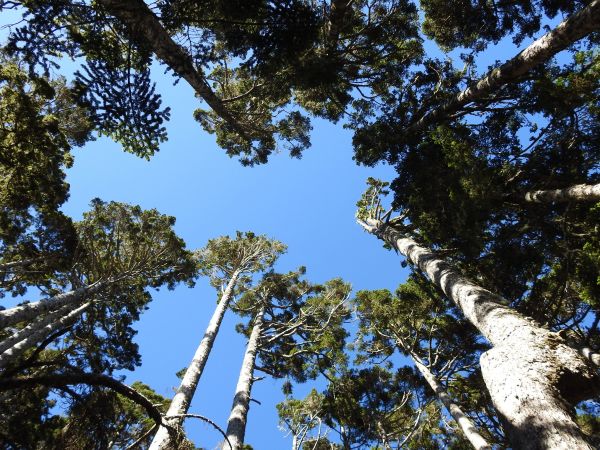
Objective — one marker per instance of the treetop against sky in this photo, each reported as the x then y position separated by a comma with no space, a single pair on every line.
365,82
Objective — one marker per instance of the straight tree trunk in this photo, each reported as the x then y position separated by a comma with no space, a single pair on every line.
35,326
30,311
19,348
466,425
567,32
236,425
25,262
144,27
185,393
576,193
533,376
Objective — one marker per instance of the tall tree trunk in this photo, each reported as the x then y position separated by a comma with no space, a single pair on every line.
185,393
144,27
570,30
35,326
577,193
236,425
533,377
466,425
40,334
30,311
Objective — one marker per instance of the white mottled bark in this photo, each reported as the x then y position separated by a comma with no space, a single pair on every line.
466,425
185,393
30,311
578,193
533,377
236,425
570,30
19,348
35,326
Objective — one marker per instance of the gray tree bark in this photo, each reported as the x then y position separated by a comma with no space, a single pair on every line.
533,376
35,326
30,311
144,27
465,424
577,193
236,425
570,30
185,393
40,334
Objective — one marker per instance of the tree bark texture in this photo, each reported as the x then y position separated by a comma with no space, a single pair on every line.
145,28
35,326
236,425
570,30
533,376
185,393
576,193
466,425
40,334
30,311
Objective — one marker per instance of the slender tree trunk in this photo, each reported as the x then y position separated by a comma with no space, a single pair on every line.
30,311
35,326
19,348
570,30
533,377
294,441
466,425
236,425
577,193
185,393
25,262
144,27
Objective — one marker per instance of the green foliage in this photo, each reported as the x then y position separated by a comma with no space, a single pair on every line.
420,323
303,324
41,122
488,22
247,253
115,78
118,241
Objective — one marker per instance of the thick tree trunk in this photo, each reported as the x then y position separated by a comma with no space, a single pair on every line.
35,326
466,425
236,425
40,334
185,393
533,377
30,311
570,30
144,27
576,193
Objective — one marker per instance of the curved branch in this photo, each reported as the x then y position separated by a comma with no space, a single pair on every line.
92,379
205,419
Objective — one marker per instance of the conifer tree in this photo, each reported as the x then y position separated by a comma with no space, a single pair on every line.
296,331
530,372
230,264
